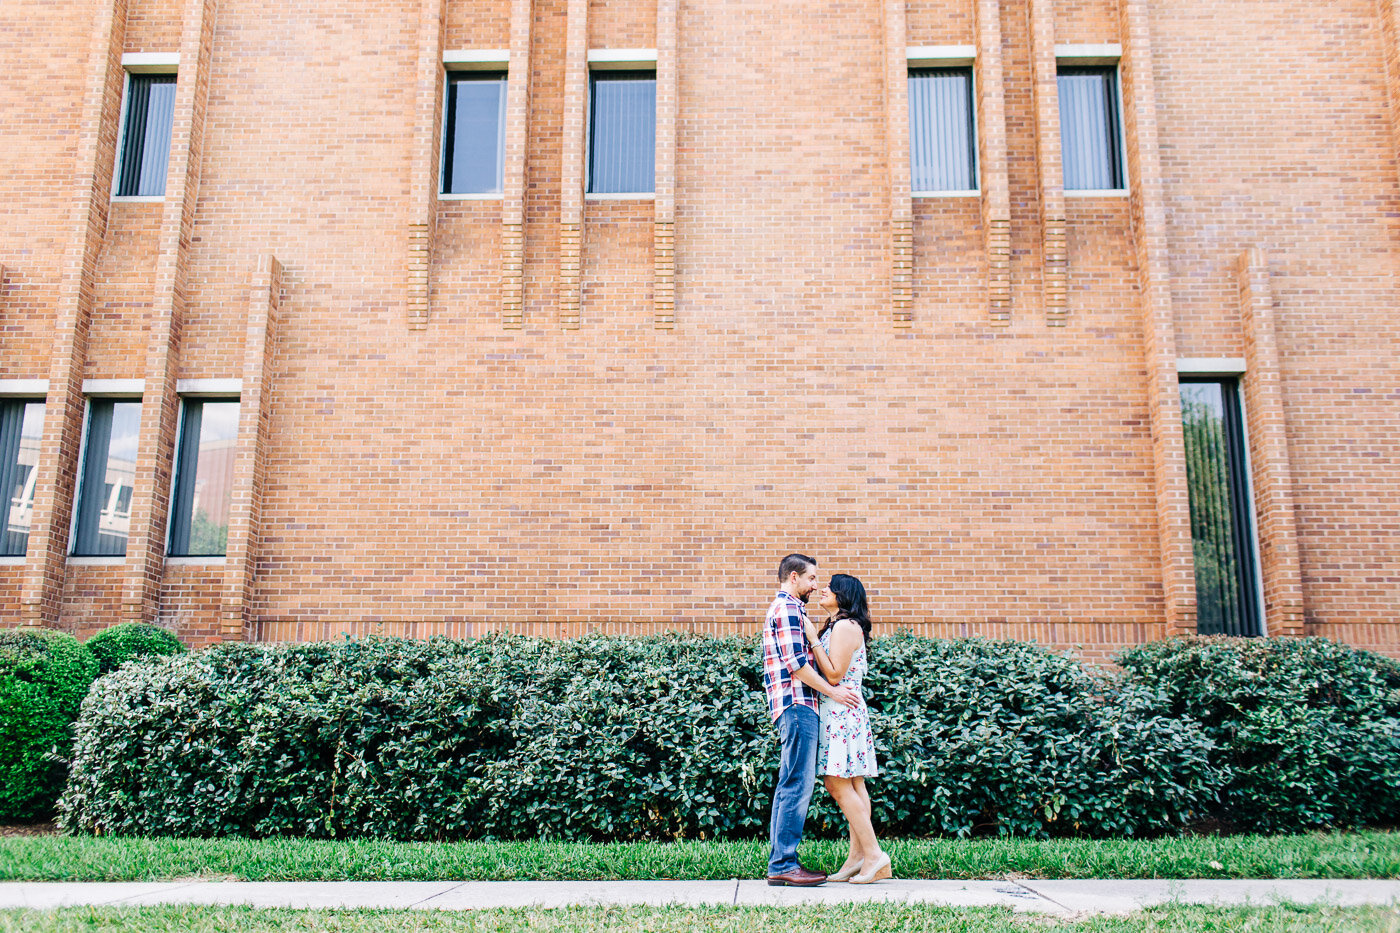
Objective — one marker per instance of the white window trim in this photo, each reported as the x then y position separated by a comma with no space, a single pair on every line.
479,196
940,56
196,560
969,193
104,560
209,388
1106,53
35,388
621,59
620,196
151,63
13,560
476,60
1225,366
115,388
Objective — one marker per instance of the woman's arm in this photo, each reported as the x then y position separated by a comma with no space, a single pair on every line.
820,660
846,637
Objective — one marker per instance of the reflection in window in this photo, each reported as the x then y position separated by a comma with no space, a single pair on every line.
203,478
1090,138
150,105
1222,536
942,147
21,426
622,133
104,485
474,135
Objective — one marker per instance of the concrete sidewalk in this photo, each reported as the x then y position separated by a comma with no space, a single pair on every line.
1053,897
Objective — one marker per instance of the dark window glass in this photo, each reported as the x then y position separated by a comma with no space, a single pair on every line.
21,426
622,132
150,105
1222,535
474,135
942,143
204,478
104,485
1090,138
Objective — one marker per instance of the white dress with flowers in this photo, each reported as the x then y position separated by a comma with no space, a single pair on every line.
846,744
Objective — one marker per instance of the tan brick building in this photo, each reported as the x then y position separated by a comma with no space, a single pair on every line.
555,407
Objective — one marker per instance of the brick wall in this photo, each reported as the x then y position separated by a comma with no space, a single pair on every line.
984,473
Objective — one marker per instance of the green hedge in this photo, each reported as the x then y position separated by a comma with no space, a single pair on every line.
128,641
44,676
1306,731
610,738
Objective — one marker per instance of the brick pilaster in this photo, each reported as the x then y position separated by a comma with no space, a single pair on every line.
1159,328
150,500
250,467
1268,451
897,158
513,196
992,169
1054,250
1389,14
664,219
95,145
572,170
423,185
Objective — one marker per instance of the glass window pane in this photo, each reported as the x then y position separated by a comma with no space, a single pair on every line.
204,478
21,427
474,134
622,134
942,145
1089,132
150,109
104,486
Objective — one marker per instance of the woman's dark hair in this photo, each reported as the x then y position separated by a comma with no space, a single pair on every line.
850,602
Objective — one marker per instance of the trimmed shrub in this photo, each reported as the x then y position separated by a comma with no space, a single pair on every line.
44,676
128,641
607,738
1307,730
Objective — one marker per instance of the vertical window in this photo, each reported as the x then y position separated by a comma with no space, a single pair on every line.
622,132
21,425
203,478
942,140
1222,536
1090,136
150,105
474,135
104,485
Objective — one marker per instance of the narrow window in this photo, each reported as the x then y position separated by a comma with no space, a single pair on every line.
622,132
203,478
21,425
474,136
942,141
104,485
1090,137
1222,536
150,105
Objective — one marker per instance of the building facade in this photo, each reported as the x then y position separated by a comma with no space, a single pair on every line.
1070,320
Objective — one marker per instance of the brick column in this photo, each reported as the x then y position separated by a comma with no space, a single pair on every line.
1390,47
423,185
992,168
664,219
250,466
95,145
513,197
897,158
150,499
572,171
1272,475
1054,286
1159,333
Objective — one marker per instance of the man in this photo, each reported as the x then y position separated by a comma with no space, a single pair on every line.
792,685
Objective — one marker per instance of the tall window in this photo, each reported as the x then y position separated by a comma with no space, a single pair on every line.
622,132
474,135
21,425
942,141
150,105
104,485
1222,535
203,478
1090,135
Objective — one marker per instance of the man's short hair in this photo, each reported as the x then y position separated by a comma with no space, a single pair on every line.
794,563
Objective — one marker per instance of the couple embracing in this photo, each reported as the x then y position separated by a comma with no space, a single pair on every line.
830,736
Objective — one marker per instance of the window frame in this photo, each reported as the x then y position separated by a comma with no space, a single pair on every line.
974,142
139,66
177,470
6,489
1072,62
83,479
604,65
480,69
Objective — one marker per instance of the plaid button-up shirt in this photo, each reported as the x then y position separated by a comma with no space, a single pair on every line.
785,652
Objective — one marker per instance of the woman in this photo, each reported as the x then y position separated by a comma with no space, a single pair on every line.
846,746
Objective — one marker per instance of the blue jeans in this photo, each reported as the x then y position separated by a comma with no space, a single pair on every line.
798,728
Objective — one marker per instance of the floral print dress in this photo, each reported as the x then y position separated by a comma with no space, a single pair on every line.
845,743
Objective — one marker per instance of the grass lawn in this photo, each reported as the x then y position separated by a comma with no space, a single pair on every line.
1173,918
82,858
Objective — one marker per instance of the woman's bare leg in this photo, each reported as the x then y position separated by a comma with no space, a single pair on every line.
857,813
858,784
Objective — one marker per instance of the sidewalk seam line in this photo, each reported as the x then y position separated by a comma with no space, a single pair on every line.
162,892
1045,897
735,901
438,894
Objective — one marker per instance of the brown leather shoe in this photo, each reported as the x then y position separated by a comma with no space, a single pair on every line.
799,877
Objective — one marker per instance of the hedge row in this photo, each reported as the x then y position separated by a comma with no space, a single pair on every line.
668,737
